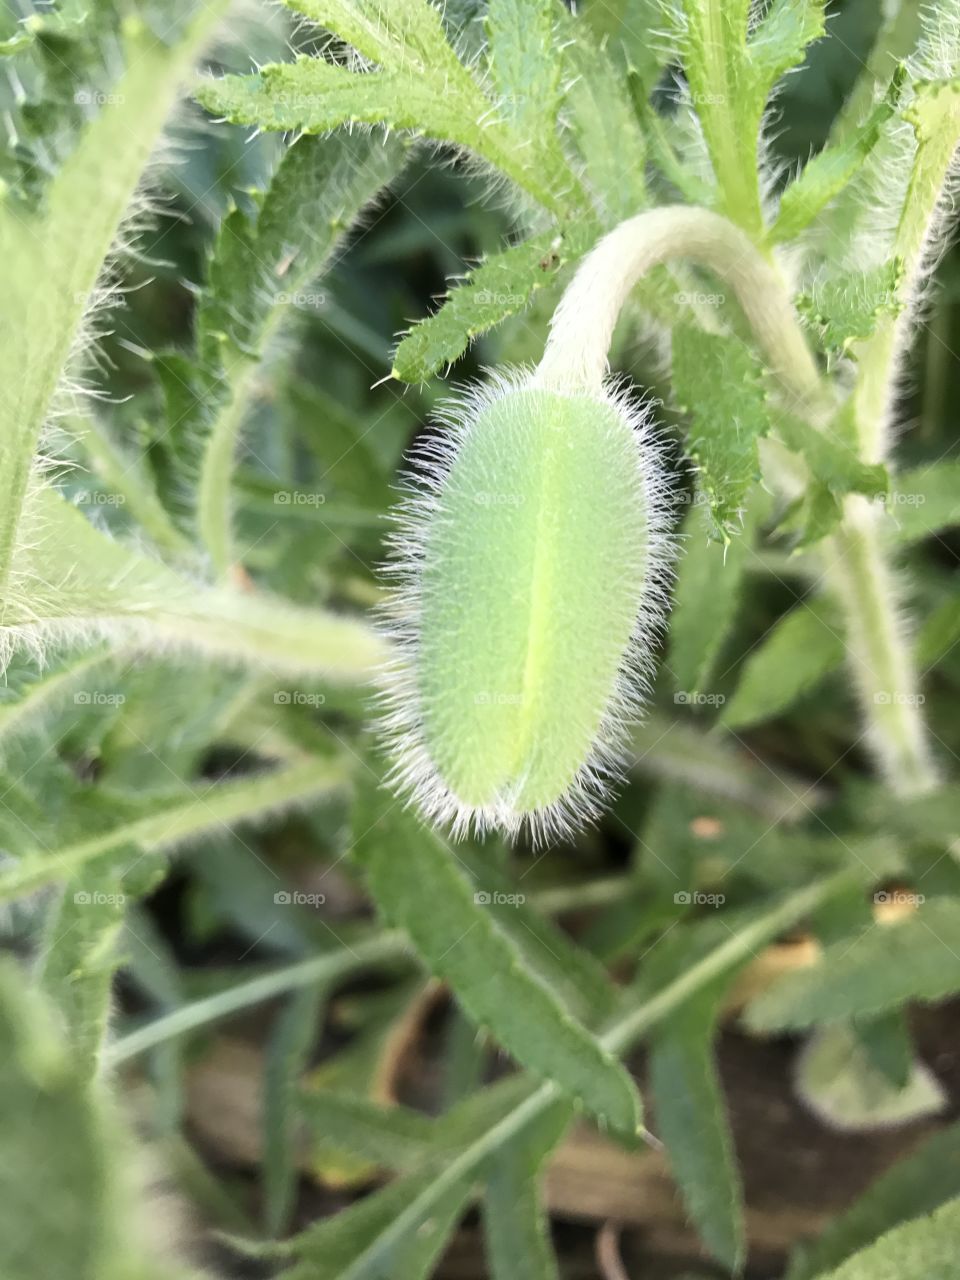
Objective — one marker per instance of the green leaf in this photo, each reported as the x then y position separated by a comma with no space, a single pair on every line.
939,633
65,1201
503,286
887,1044
803,647
825,176
523,62
479,1143
730,80
925,500
925,1249
876,970
394,1137
436,96
915,1185
257,271
51,265
410,31
602,125
717,383
706,597
288,1050
462,942
72,578
29,697
832,460
172,821
578,979
836,1079
632,29
516,1226
843,309
351,1244
691,1121
53,1224
80,957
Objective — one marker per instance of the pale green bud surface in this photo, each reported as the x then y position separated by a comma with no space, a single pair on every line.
532,597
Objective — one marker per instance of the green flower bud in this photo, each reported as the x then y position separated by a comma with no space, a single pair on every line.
530,561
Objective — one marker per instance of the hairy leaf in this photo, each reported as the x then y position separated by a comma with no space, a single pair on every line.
925,500
825,176
717,383
884,965
462,943
172,821
706,598
805,645
502,286
843,309
924,1249
915,1185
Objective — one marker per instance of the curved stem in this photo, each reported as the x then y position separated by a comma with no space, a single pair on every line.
881,664
582,328
576,358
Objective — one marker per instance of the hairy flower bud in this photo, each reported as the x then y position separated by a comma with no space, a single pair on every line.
530,566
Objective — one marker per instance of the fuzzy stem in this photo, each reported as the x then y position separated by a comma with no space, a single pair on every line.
582,328
387,947
576,357
216,472
937,120
882,665
124,478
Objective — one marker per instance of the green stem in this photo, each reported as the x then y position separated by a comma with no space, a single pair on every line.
881,664
122,476
383,948
936,118
216,471
619,1037
51,267
582,328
